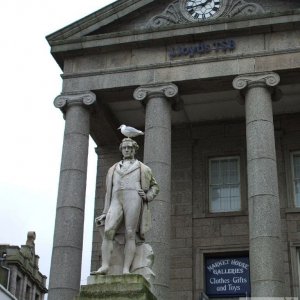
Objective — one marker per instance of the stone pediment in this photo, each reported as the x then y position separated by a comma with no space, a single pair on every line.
107,19
148,15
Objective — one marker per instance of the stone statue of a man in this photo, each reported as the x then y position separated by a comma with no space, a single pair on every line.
129,185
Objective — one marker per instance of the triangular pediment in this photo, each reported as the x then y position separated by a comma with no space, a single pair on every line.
154,15
108,16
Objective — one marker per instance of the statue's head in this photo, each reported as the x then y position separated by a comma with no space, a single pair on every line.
128,147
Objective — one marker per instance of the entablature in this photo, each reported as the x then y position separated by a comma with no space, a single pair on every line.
179,33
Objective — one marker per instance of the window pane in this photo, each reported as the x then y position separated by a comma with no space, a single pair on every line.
215,192
296,161
235,197
234,174
215,199
225,192
229,171
225,204
224,171
235,204
235,191
214,172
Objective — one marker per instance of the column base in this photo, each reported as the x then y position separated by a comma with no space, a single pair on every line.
116,287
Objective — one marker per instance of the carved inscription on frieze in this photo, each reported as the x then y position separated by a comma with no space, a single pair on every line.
201,48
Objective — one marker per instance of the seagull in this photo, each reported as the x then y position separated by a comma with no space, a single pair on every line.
130,131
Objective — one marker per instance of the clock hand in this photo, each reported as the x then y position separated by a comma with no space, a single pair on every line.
201,4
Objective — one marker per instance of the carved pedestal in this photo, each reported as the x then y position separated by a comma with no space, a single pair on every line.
143,259
123,287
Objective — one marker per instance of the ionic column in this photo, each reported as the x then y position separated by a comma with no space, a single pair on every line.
157,155
266,263
13,280
65,270
33,292
23,293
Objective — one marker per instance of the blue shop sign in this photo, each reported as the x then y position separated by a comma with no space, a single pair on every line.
227,277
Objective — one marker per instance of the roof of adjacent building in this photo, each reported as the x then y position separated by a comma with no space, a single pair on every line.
25,259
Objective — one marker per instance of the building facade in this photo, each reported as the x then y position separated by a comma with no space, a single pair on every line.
19,272
215,85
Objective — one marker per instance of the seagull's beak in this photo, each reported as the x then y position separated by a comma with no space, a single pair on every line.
119,127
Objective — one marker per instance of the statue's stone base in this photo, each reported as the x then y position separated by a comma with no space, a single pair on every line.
116,287
143,258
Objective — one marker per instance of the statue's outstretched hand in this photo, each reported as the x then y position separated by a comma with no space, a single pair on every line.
142,195
100,220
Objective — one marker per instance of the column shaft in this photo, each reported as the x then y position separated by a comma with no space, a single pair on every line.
266,264
157,155
33,292
65,270
13,280
23,293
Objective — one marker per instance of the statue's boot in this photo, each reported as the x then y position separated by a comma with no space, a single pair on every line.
103,270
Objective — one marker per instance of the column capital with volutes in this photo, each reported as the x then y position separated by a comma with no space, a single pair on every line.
267,79
64,101
167,90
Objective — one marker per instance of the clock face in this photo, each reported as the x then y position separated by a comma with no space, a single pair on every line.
202,9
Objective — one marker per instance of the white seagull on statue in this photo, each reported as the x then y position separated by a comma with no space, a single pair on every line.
130,132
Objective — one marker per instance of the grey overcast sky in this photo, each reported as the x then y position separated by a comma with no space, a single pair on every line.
31,128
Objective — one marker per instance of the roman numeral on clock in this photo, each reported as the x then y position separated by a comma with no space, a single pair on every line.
202,9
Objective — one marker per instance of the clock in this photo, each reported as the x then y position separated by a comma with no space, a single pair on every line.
201,10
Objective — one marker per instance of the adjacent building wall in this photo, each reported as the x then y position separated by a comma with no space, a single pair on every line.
24,280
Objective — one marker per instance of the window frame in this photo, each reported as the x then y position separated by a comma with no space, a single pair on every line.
223,158
292,154
229,146
289,201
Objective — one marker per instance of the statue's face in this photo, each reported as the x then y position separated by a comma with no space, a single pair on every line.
128,150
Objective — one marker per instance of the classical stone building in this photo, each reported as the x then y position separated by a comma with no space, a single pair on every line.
215,85
19,272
